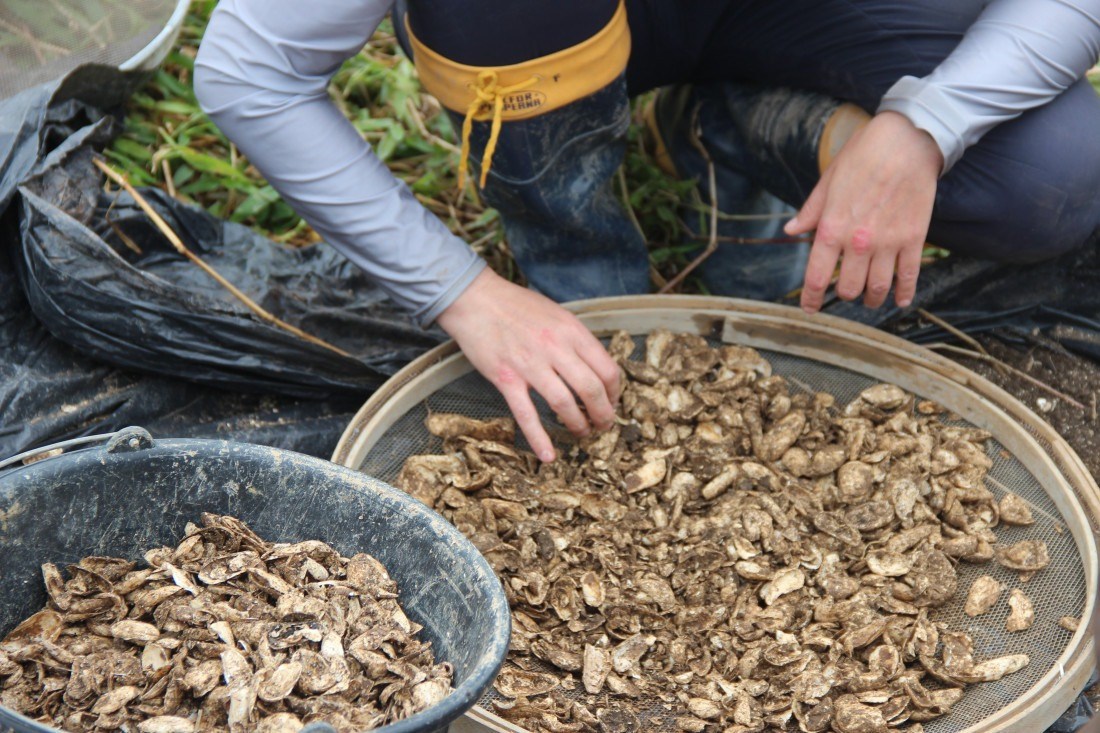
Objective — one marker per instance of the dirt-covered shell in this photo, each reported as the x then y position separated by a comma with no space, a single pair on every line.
224,632
1022,613
1014,510
983,595
1026,555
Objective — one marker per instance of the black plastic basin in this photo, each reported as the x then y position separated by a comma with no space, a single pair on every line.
135,493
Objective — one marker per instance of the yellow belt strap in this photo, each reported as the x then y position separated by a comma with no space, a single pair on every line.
489,98
525,90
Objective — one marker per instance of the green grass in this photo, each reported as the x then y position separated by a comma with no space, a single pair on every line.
168,142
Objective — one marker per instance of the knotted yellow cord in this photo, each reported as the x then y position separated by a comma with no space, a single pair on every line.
489,97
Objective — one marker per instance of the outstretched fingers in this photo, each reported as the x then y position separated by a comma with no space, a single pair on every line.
516,394
819,272
601,395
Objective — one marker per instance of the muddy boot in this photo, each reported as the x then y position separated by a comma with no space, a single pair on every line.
551,180
542,140
768,146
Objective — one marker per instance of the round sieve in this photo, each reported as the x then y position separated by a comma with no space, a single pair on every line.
42,41
841,357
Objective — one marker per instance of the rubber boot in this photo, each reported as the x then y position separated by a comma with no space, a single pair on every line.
551,181
767,146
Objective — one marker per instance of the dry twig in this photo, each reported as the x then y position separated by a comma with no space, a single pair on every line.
418,120
168,181
1018,372
125,238
655,275
758,240
965,338
179,246
712,245
37,45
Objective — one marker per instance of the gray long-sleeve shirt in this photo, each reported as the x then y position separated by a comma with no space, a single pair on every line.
263,70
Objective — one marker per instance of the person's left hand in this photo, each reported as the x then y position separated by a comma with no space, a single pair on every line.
871,208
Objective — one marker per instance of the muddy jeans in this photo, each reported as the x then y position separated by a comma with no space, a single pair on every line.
1025,192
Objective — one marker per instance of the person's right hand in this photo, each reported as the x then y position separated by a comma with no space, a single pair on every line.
519,341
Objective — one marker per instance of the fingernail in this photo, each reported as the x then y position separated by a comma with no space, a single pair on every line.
546,456
808,310
904,303
790,225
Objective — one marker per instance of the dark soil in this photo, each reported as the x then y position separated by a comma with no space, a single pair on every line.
1065,372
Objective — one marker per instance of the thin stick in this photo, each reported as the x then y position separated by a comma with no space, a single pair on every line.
1019,373
654,274
998,365
458,222
36,44
485,238
167,170
758,240
965,338
178,244
656,277
771,216
125,238
74,22
414,112
712,245
432,205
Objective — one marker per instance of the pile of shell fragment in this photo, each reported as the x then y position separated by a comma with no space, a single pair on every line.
223,632
734,555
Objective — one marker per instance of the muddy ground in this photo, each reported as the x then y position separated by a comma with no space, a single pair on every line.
1071,375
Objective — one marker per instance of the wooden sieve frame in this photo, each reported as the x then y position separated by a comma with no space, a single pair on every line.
840,342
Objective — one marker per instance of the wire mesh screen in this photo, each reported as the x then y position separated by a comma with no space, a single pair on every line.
42,40
1057,591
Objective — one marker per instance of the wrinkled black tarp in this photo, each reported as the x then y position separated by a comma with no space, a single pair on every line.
1059,298
49,391
158,312
46,121
115,338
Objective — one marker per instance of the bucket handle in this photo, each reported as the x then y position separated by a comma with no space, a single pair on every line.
121,441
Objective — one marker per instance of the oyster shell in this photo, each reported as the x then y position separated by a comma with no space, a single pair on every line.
735,555
983,595
1027,556
1022,614
1015,510
224,632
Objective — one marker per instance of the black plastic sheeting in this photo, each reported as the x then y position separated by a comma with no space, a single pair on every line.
94,337
158,312
1059,298
45,122
49,391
